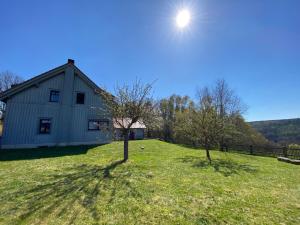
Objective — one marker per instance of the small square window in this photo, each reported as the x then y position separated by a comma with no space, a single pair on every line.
54,96
80,98
45,126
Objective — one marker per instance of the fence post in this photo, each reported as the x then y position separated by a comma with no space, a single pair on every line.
251,149
222,147
226,148
284,149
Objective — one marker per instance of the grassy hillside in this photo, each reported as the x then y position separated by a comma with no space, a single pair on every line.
161,184
282,131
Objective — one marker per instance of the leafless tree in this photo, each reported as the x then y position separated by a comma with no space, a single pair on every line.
208,121
200,124
130,104
228,105
225,99
7,80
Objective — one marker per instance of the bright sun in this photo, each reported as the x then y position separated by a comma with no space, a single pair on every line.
183,18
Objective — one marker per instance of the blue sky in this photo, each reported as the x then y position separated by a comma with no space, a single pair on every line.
254,45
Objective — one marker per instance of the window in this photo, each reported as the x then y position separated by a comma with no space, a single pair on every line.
98,125
45,126
54,96
80,98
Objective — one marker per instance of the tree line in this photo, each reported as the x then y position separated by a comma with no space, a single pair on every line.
214,119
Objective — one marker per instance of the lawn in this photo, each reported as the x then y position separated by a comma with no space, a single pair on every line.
160,184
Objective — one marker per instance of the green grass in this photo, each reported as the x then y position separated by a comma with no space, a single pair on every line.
161,184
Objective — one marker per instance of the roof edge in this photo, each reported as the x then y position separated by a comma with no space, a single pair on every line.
47,75
32,81
90,82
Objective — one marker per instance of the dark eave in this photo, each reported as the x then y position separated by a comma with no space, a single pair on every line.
35,81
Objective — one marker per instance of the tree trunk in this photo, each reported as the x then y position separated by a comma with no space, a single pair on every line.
208,155
126,133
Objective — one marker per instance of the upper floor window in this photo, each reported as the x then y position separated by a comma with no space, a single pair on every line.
80,98
45,126
54,96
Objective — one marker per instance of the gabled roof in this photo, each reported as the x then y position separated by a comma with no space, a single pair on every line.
45,76
126,121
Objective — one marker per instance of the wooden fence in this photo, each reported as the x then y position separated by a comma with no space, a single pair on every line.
274,151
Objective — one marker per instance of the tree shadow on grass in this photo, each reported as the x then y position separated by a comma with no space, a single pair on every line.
67,195
38,153
225,167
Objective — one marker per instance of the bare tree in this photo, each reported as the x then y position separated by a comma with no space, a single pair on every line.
200,124
228,105
8,80
129,105
208,121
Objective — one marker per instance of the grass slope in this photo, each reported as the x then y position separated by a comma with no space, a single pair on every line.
162,184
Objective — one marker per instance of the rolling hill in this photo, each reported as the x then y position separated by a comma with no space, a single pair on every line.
279,131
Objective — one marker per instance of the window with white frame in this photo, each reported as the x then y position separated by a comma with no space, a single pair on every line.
98,125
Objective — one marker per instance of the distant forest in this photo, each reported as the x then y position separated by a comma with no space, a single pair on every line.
279,131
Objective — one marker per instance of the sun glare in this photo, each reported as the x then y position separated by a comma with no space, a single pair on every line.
183,18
